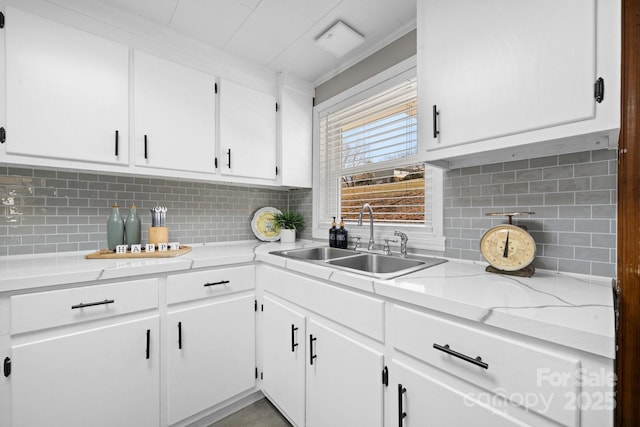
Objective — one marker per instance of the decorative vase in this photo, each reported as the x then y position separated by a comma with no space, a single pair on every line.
115,229
132,227
287,236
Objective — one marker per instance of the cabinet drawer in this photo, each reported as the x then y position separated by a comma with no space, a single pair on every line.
57,308
359,312
529,375
210,283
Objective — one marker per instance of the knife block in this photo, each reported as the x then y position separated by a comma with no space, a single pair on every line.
158,235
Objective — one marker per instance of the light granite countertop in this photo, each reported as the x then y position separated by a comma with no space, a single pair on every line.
572,310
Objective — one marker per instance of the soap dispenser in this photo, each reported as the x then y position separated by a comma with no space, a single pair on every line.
341,236
333,233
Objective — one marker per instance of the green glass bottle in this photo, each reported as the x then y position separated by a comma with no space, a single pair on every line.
115,228
132,227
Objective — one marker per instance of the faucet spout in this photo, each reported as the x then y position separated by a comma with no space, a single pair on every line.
362,208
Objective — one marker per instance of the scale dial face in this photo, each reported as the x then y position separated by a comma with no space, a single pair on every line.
508,247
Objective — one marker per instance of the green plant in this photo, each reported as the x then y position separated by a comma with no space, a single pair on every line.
289,220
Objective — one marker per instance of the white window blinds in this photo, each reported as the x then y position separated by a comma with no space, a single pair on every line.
368,153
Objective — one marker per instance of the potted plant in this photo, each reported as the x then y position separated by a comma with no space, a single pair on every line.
288,222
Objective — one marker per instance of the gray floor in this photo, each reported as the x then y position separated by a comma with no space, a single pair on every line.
258,414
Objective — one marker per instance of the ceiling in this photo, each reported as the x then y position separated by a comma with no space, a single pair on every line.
279,34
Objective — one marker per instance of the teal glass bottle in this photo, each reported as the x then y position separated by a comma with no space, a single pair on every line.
115,229
132,227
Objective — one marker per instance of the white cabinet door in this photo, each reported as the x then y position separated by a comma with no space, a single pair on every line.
283,358
295,138
247,132
174,115
107,376
417,400
496,75
211,355
344,385
497,67
67,92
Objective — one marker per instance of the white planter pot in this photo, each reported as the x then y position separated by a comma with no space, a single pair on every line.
287,236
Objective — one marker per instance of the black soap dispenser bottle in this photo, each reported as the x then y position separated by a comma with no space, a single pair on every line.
333,233
341,236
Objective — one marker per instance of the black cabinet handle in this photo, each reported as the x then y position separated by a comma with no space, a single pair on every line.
229,158
148,342
145,147
91,304
401,413
311,355
222,282
117,137
436,113
476,361
180,335
294,344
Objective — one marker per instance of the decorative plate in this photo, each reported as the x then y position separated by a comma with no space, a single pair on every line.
263,225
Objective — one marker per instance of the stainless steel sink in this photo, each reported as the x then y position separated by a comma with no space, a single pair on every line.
374,265
316,254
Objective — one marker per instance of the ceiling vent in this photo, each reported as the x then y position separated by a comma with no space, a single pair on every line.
339,39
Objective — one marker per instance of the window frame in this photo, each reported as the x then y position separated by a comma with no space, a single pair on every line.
419,236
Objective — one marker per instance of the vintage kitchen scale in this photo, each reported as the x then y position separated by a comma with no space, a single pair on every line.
509,248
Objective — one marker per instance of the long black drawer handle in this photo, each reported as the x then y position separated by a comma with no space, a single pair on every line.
294,344
145,148
180,335
117,137
222,282
91,304
311,355
477,361
148,342
401,413
229,157
436,113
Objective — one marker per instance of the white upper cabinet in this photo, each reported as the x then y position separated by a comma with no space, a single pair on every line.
67,92
497,76
175,112
247,132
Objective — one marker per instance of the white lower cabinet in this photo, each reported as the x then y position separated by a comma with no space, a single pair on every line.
417,399
344,385
211,355
283,358
106,376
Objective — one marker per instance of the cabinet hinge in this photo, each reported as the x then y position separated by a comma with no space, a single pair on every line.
1,20
3,135
7,366
215,87
598,91
385,376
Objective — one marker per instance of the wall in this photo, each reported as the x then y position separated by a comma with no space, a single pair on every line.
573,195
57,211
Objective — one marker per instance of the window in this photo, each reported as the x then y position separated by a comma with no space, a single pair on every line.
367,152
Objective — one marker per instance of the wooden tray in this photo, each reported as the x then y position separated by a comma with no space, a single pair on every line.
107,254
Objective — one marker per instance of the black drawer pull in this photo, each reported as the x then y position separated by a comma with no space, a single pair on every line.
145,148
222,282
401,413
436,113
311,355
91,304
294,344
477,361
117,138
229,158
180,335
